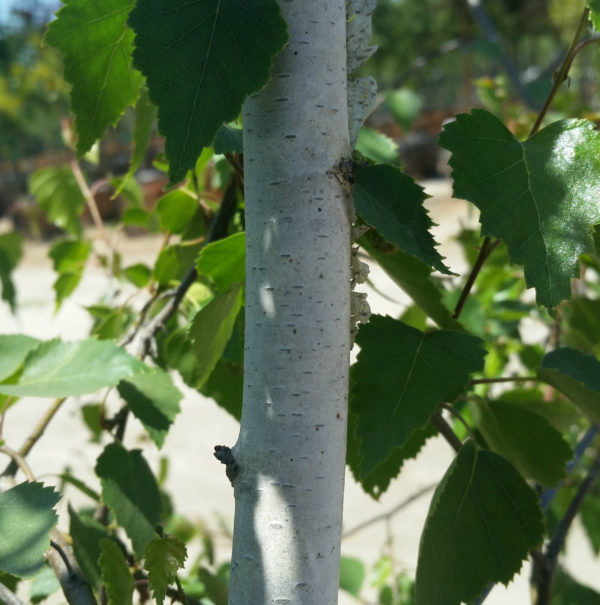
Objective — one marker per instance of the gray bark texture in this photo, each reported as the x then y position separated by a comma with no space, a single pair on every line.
291,451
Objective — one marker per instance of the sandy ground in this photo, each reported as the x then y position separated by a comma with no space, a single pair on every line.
196,481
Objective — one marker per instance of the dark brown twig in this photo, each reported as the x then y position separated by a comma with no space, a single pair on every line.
545,563
446,430
486,249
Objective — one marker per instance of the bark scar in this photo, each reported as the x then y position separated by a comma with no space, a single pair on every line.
224,455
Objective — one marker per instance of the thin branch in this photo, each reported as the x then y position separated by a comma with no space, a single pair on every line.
19,461
561,76
558,540
218,230
486,249
35,435
386,516
61,558
90,201
549,493
545,563
8,597
505,379
446,430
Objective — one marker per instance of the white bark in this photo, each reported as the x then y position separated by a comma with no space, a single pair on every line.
291,449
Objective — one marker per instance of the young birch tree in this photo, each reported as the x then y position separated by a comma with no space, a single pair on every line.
292,443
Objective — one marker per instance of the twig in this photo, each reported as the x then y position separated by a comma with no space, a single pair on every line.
218,230
18,461
549,493
90,201
486,249
505,379
61,558
446,430
545,563
9,597
385,516
35,435
561,76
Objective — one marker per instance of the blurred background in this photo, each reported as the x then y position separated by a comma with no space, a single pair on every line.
435,58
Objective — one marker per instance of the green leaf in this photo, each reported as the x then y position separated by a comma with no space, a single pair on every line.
413,276
27,517
139,274
226,386
145,114
211,329
136,217
377,147
174,262
526,439
575,375
130,490
164,556
404,105
116,575
154,400
595,13
87,535
11,251
482,521
580,325
229,140
400,377
567,591
114,324
377,482
540,196
43,585
96,44
13,351
392,202
223,51
62,369
352,575
59,195
223,261
69,258
175,210
590,519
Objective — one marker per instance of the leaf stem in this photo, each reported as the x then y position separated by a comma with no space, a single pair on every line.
486,249
562,73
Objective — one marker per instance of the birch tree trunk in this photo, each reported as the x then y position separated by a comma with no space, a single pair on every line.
291,449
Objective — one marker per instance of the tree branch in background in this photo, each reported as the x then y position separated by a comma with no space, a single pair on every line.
35,435
8,597
545,563
218,230
386,516
61,558
561,76
482,18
